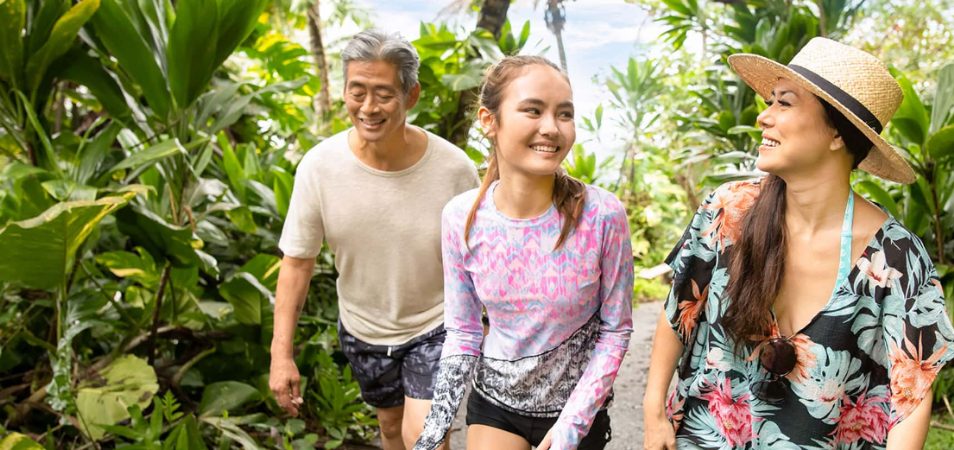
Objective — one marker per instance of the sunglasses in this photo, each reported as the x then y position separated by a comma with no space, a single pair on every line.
778,358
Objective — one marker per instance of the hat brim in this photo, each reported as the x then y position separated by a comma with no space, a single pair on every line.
761,74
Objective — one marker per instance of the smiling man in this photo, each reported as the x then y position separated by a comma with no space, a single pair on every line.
374,193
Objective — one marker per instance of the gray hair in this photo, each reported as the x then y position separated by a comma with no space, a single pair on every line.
378,45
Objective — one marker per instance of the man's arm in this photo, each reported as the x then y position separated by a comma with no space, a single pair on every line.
283,377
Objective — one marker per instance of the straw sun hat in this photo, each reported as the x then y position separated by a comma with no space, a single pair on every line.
854,82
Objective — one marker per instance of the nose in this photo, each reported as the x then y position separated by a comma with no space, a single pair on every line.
548,126
765,119
369,105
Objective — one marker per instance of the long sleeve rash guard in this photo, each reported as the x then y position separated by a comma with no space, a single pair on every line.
560,319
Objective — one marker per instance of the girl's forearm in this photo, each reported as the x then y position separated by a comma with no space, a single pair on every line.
662,365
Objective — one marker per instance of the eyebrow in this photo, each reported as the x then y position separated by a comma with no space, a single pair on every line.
783,92
375,87
538,102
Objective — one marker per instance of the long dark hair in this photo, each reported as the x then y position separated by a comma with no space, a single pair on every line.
569,194
757,260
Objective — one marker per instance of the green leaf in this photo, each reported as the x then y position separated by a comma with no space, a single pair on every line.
233,168
191,51
185,436
92,153
119,35
912,116
226,396
88,71
248,297
144,159
237,19
943,98
242,218
12,21
282,183
164,241
940,145
17,441
61,39
140,268
127,381
39,252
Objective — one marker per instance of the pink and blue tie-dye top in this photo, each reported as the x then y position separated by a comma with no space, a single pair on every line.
560,320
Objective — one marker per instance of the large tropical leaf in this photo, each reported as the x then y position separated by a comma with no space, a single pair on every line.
164,241
61,39
12,20
943,99
940,145
911,119
88,72
220,25
119,34
105,401
17,441
191,64
226,396
39,252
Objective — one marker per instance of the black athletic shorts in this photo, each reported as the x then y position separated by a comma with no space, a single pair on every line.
388,373
481,412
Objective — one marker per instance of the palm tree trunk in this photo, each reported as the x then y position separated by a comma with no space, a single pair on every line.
323,101
555,19
493,15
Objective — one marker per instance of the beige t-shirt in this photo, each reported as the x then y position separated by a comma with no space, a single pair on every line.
385,231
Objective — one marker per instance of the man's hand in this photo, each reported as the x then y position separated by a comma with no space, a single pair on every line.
285,383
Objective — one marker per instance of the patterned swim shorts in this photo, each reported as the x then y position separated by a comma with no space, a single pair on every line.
388,373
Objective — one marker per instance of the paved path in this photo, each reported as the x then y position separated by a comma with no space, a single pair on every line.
626,413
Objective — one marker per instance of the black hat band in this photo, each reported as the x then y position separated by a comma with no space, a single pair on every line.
853,105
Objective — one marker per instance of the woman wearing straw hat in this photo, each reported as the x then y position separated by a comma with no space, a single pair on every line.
805,316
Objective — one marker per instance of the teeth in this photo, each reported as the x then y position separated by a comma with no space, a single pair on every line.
769,142
544,148
372,122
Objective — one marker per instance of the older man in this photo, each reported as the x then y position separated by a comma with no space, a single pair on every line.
374,193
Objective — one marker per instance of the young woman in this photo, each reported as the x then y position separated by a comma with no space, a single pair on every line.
549,259
806,316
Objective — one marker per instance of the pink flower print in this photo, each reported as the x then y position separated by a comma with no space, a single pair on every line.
863,419
878,271
675,409
732,416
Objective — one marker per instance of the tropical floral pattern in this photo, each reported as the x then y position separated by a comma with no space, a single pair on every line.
863,364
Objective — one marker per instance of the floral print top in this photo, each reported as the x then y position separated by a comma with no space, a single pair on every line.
863,363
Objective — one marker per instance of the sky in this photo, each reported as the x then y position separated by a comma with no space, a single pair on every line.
598,34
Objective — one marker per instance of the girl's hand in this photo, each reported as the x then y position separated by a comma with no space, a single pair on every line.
658,433
545,443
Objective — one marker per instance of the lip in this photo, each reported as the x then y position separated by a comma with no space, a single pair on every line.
763,147
372,123
546,144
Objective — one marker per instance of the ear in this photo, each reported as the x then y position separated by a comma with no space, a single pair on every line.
488,123
413,96
837,143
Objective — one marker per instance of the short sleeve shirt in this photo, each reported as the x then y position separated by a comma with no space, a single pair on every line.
863,363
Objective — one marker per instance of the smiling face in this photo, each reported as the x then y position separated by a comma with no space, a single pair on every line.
796,135
375,101
533,128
